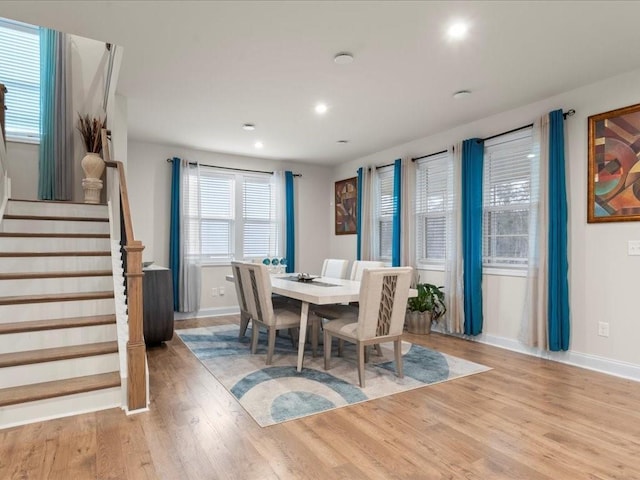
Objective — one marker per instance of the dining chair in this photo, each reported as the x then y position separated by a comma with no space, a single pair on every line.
334,268
245,316
256,284
359,266
379,318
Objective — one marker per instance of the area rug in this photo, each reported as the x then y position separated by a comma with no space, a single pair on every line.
277,393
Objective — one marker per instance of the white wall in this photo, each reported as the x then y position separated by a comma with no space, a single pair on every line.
603,279
149,183
88,66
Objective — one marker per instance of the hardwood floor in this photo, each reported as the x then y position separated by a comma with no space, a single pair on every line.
528,418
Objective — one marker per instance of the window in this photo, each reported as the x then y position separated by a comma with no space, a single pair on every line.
20,73
384,213
507,190
234,215
434,184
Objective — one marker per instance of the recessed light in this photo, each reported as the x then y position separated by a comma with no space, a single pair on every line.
457,30
258,144
249,127
461,94
342,142
343,58
531,155
321,108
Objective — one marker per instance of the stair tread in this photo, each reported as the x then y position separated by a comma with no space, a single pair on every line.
58,388
56,323
9,216
57,254
54,297
77,273
59,353
61,202
52,235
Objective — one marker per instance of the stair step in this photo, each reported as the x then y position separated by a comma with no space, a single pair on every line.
53,235
56,324
58,388
33,275
47,311
53,226
55,218
54,202
55,354
67,263
57,297
15,244
56,254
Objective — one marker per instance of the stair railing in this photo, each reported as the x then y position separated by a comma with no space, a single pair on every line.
132,260
5,182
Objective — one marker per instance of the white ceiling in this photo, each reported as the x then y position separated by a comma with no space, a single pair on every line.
194,72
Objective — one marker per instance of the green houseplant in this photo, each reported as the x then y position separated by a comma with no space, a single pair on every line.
424,309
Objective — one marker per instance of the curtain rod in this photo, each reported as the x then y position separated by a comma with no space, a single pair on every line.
566,114
170,160
429,155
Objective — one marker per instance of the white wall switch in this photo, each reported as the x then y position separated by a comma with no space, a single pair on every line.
603,329
634,247
214,292
221,291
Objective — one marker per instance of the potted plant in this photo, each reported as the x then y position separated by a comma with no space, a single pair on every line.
424,309
92,163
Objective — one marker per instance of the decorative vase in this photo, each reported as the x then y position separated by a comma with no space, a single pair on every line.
418,322
92,166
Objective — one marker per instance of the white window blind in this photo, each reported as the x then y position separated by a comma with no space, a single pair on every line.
508,166
260,229
20,73
433,204
232,216
384,210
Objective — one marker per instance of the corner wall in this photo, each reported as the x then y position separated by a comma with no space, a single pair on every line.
603,278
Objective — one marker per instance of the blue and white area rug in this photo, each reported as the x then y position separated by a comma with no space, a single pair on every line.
277,393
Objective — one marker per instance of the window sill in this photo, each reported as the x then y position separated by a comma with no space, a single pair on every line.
431,268
504,272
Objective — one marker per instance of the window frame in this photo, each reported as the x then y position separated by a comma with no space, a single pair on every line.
383,174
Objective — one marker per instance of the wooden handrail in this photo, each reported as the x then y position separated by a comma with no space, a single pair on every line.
136,350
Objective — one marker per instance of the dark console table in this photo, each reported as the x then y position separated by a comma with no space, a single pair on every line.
157,293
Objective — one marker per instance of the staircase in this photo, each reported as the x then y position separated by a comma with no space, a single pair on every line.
58,336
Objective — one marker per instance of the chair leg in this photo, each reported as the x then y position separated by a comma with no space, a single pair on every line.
315,330
244,323
366,354
340,346
327,349
397,350
255,330
292,334
271,345
378,349
361,349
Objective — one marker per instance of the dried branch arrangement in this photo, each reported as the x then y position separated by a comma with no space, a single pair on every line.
90,129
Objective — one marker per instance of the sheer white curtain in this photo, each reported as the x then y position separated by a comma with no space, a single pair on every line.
454,291
280,211
190,241
533,330
368,242
408,235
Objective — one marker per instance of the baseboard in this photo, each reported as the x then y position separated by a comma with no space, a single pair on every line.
207,312
609,366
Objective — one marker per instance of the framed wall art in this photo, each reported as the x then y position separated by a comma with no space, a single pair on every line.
614,166
346,201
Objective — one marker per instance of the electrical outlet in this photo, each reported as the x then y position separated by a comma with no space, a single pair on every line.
633,247
603,329
221,291
214,292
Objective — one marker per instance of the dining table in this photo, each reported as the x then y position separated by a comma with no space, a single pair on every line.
317,291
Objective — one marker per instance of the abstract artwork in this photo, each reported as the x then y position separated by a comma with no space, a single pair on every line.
614,166
346,199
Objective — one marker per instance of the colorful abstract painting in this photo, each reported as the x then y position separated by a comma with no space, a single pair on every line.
346,206
614,166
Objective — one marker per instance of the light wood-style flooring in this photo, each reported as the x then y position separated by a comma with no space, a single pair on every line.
526,419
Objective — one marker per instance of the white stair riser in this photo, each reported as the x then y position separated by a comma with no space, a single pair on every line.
64,337
53,264
59,407
59,370
46,311
52,226
16,207
54,244
43,286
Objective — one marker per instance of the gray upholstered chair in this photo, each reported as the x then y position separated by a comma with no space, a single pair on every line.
379,318
245,316
256,284
334,268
